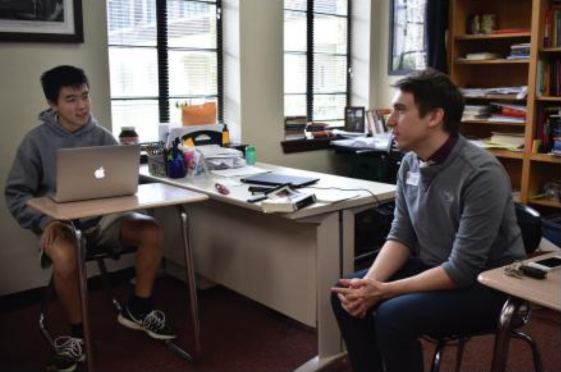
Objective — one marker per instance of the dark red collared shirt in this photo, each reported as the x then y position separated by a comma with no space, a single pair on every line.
442,153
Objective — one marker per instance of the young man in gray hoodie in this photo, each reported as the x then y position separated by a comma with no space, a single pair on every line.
69,123
454,218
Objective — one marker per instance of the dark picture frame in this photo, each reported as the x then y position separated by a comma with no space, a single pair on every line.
48,21
354,119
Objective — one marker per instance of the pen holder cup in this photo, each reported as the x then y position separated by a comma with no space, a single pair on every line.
157,165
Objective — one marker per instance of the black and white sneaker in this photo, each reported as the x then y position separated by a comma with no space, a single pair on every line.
153,323
69,352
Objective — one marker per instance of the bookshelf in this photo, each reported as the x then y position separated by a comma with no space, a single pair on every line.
518,22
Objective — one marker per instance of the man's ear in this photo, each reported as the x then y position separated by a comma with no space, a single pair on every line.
52,104
436,117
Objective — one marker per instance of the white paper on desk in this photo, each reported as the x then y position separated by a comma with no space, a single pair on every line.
247,170
331,195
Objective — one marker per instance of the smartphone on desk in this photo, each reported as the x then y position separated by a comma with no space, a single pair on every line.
547,264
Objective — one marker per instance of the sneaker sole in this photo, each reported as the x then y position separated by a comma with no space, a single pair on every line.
134,326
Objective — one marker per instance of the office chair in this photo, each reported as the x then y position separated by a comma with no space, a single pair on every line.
99,254
530,224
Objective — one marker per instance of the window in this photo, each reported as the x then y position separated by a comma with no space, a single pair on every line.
161,53
317,59
407,36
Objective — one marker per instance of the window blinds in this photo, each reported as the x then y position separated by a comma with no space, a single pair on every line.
161,53
317,59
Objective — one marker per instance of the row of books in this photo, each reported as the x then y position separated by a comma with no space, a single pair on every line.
552,28
549,78
548,130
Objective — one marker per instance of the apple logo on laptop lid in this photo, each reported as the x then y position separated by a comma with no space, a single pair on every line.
99,173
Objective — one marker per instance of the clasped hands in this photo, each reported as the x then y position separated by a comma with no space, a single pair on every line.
357,296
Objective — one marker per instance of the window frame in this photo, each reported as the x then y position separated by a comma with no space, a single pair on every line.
391,70
163,51
309,53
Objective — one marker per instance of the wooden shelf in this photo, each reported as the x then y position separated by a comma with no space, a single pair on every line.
489,122
493,36
545,158
501,61
551,50
546,202
507,154
548,99
498,98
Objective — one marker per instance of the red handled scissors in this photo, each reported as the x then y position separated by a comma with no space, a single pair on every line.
221,189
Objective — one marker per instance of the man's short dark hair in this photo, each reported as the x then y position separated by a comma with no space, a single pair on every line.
432,89
62,76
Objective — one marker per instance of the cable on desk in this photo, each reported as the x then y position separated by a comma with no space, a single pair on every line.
376,200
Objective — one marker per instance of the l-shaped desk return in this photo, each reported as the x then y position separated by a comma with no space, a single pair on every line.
286,262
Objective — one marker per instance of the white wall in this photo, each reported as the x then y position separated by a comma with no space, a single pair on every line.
21,99
254,98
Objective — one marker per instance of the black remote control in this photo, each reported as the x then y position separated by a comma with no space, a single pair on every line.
533,272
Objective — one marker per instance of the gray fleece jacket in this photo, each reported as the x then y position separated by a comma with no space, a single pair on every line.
458,213
33,172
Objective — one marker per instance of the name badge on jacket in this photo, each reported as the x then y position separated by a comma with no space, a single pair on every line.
412,178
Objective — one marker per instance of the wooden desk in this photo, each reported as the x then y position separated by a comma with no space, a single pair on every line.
286,262
545,292
148,196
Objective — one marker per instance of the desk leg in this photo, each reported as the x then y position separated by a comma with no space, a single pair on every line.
190,276
502,339
335,249
83,278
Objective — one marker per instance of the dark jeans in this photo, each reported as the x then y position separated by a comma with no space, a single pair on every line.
389,335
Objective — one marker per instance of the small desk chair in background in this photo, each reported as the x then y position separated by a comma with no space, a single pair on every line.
530,224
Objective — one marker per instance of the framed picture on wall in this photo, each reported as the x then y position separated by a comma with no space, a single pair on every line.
50,21
354,119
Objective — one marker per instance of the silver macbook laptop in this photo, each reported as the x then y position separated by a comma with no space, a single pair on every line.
84,173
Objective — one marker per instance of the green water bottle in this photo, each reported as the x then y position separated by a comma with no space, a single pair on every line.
250,155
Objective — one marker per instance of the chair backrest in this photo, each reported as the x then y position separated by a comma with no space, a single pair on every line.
530,223
203,137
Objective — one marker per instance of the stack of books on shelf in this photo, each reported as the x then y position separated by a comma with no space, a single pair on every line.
476,112
497,92
294,127
506,112
482,56
519,51
507,141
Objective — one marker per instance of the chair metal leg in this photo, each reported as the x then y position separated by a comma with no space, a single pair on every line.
82,275
43,311
460,352
103,270
502,338
538,366
193,303
437,358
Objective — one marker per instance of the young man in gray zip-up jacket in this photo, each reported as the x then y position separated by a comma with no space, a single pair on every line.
454,218
69,123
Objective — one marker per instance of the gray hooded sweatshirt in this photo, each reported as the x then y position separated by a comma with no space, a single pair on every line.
33,172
